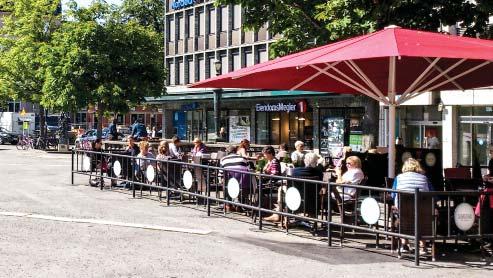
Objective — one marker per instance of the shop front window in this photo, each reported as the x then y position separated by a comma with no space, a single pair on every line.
475,135
282,127
211,128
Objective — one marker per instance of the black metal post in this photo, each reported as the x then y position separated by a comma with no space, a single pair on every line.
72,174
208,194
416,227
329,214
260,204
217,110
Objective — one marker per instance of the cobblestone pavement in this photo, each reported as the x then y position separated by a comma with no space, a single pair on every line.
48,239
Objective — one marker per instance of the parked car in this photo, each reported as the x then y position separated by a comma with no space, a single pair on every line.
7,136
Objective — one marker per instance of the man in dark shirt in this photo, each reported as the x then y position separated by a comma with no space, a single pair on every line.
113,131
139,130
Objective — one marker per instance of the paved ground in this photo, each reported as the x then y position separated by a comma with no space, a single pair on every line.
37,183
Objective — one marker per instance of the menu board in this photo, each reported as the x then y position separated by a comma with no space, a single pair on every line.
239,128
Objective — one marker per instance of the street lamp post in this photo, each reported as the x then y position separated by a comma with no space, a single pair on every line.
217,100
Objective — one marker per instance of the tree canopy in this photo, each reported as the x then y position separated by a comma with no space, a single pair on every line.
96,58
307,23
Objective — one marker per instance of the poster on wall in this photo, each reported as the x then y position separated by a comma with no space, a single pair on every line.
239,128
332,136
355,135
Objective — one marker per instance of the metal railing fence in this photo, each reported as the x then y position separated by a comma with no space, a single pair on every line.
322,205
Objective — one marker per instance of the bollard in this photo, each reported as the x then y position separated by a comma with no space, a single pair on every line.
72,173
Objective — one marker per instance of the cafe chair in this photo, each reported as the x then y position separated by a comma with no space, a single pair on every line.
310,202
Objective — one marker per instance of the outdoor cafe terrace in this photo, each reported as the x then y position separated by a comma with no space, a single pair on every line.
377,217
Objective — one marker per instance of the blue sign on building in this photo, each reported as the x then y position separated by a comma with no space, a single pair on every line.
179,4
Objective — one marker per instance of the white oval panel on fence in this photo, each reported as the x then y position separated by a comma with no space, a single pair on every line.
187,179
86,163
370,210
293,198
117,168
233,188
464,216
150,173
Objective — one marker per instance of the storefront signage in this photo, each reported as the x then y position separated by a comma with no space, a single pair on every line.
191,106
299,106
180,4
278,107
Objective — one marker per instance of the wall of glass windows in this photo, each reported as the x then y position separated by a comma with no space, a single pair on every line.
283,127
475,134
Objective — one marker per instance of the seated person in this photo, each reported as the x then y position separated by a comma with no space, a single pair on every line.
354,175
234,161
311,168
243,148
298,155
142,161
175,148
273,166
283,152
341,164
198,149
163,151
412,177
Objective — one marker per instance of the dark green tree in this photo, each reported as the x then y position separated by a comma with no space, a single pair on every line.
28,27
148,13
308,23
98,58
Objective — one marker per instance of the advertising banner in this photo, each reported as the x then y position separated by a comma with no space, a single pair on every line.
239,128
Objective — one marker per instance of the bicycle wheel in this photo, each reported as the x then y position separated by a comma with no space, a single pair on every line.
19,145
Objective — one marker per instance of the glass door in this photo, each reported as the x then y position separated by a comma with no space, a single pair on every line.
423,135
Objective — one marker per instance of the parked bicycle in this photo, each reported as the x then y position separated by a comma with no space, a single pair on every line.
25,142
48,143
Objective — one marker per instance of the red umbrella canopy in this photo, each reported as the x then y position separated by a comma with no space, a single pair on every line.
380,65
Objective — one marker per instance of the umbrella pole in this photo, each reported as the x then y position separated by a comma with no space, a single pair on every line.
391,147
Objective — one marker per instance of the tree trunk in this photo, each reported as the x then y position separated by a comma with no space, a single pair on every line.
100,121
42,122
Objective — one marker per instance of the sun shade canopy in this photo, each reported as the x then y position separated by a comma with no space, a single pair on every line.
419,61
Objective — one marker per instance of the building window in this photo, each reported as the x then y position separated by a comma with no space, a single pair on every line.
224,18
248,59
190,32
171,74
236,17
236,60
181,72
14,106
224,64
181,28
191,71
201,23
171,30
212,21
201,69
212,68
262,55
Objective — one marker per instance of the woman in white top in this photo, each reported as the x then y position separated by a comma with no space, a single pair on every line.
354,175
298,155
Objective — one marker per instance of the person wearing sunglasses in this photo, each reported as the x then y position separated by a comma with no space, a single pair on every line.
353,175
